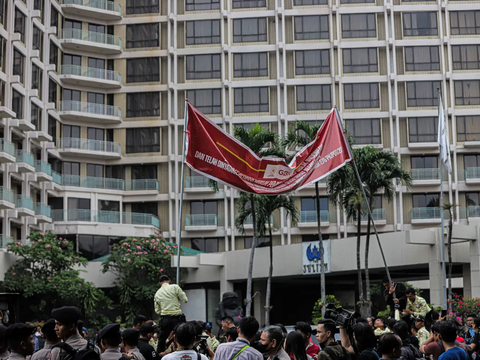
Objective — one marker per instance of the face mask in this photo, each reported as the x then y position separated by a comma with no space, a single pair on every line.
262,348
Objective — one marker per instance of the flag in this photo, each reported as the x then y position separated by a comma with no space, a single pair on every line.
217,155
443,137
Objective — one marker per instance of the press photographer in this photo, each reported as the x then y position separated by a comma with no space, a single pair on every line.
185,338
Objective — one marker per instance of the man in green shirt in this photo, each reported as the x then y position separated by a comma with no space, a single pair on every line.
416,305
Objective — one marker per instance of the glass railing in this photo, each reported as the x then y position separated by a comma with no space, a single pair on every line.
426,213
72,215
89,72
140,219
310,216
425,174
56,177
377,214
201,220
90,36
141,185
473,211
25,202
96,4
249,220
7,195
7,147
472,173
103,216
43,209
90,108
4,241
196,182
25,157
89,145
44,167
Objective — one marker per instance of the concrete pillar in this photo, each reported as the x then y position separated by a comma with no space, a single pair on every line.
225,285
259,292
435,271
475,265
467,280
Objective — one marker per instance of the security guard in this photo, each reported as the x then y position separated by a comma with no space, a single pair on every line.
20,338
146,333
109,339
129,344
4,355
422,333
48,330
416,305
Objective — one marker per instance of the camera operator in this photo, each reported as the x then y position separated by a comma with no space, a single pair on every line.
271,344
185,337
201,340
365,341
212,341
331,349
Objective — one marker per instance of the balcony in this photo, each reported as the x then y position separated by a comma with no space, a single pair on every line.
95,9
56,178
25,162
425,176
43,213
90,148
43,170
6,113
7,198
378,215
7,151
473,212
90,41
87,76
111,217
308,218
201,222
91,182
197,184
4,241
426,215
82,111
141,185
24,206
472,175
248,223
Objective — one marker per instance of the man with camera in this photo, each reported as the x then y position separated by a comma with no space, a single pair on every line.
271,344
331,349
185,337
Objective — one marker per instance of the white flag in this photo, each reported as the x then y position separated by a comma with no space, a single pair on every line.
443,137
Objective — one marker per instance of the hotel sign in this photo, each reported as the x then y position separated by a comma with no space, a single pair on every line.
311,257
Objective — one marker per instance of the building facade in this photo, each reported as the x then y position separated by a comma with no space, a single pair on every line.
92,106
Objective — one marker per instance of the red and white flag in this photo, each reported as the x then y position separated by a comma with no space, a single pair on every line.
217,155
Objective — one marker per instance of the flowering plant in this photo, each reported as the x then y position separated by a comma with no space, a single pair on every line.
459,307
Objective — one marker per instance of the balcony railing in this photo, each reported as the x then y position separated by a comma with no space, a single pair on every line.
90,145
102,216
196,182
25,157
310,216
97,4
249,220
93,73
472,173
425,174
56,177
44,167
473,211
43,210
105,183
201,220
90,108
7,147
377,215
4,241
25,202
7,195
141,185
90,36
426,213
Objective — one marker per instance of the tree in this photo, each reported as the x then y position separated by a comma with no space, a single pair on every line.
317,313
138,263
265,206
46,276
449,207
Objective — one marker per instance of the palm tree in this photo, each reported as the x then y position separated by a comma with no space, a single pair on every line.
265,206
449,207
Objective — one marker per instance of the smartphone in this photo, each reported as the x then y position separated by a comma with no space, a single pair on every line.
209,324
444,313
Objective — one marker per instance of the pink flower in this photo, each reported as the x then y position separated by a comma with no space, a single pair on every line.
135,240
138,247
80,284
14,274
165,251
48,278
161,270
39,240
48,246
239,316
146,253
460,302
154,248
42,234
128,260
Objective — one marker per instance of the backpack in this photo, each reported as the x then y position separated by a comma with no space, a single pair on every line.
334,356
78,354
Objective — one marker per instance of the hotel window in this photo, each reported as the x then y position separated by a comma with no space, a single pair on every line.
203,207
203,32
360,60
2,12
143,70
93,246
250,65
52,92
471,161
314,27
115,172
359,26
309,2
35,116
143,36
143,104
36,78
357,1
424,162
465,22
37,39
144,172
143,140
208,101
249,30
52,128
422,93
472,200
17,104
20,24
71,132
208,245
467,92
422,129
54,17
361,96
422,58
420,24
143,7
203,67
53,54
239,4
251,100
71,168
200,5
145,208
312,62
466,57
310,204
425,200
95,170
18,64
468,128
365,131
313,97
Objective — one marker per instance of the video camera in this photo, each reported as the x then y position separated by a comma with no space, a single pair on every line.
201,345
341,316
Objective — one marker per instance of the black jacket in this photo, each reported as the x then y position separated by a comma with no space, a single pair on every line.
147,350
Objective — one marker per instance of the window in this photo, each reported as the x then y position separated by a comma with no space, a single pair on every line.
309,2
357,1
73,25
467,92
115,172
71,95
249,30
79,204
466,57
470,161
37,5
54,17
2,12
96,98
313,27
425,200
71,168
95,28
70,131
422,129
145,208
310,204
17,104
203,207
239,4
422,58
3,46
420,24
93,246
36,78
360,60
473,202
313,97
361,96
143,104
205,245
52,92
53,54
203,67
424,162
143,70
199,5
108,205
37,39
422,93
261,241
143,140
95,170
143,35
20,24
203,32
359,26
144,172
468,128
314,237
143,6
365,131
95,63
250,65
207,101
465,22
35,116
95,134
18,63
248,100
312,62
52,128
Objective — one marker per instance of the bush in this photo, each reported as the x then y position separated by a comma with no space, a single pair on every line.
317,308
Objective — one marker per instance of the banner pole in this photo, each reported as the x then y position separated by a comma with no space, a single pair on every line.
179,228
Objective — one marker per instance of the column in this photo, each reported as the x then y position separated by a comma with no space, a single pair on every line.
259,291
467,280
225,285
475,265
435,272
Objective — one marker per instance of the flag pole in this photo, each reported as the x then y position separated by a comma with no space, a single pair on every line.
444,281
179,228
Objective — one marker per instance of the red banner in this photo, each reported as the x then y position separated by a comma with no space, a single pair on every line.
219,156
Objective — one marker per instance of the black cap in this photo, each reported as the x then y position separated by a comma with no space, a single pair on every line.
49,326
19,331
67,314
148,328
130,333
110,329
420,318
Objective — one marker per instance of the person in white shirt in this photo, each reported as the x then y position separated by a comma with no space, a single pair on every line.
185,336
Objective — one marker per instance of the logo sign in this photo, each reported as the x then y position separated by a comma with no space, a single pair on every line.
311,257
